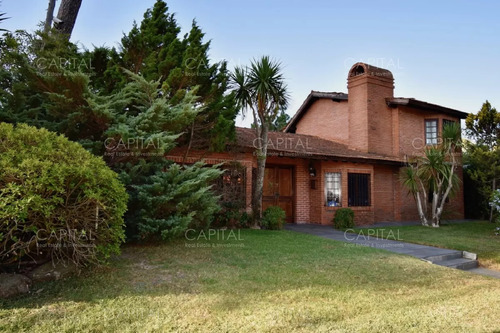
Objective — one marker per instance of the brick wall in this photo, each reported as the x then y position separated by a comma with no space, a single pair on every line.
370,123
362,215
326,119
383,192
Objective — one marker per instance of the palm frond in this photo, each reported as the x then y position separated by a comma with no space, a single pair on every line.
261,87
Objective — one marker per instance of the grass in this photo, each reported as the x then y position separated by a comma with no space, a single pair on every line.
264,281
478,237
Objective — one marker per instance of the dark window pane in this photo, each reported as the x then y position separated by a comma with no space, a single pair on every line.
358,189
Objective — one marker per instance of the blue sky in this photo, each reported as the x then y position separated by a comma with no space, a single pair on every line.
442,52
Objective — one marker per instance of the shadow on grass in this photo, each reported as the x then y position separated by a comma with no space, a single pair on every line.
258,263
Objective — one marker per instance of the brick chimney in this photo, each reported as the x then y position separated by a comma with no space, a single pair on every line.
370,119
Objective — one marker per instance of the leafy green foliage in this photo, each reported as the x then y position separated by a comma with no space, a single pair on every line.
482,157
165,198
435,173
260,88
344,218
131,105
177,199
2,18
484,126
44,83
57,201
154,50
274,218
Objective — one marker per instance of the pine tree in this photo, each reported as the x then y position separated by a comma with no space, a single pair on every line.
154,50
44,83
68,12
165,198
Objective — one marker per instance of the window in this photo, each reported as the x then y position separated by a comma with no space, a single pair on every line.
358,186
333,189
447,122
431,132
231,186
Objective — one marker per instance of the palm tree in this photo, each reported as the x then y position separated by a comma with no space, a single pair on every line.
435,174
2,18
260,88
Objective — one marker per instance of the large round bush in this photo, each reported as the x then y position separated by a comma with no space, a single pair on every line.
57,201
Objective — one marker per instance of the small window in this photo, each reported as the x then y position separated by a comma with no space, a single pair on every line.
333,189
431,132
447,122
358,189
231,186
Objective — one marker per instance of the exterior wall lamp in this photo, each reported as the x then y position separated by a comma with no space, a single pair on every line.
312,170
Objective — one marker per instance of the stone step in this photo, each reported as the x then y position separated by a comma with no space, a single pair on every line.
443,257
459,263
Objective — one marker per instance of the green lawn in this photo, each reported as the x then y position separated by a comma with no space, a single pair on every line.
478,237
266,281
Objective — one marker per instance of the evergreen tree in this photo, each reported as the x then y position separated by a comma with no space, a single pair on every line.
165,198
44,83
154,50
130,106
482,153
68,12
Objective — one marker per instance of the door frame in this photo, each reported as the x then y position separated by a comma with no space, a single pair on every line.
293,197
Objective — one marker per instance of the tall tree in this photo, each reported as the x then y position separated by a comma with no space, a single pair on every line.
434,173
482,153
260,88
154,50
39,89
68,12
50,16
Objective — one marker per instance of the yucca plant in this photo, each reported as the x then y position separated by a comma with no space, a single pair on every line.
260,88
434,173
2,18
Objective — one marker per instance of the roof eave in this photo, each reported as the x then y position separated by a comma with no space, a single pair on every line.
311,98
421,105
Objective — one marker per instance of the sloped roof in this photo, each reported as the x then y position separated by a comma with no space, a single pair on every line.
311,98
424,106
307,146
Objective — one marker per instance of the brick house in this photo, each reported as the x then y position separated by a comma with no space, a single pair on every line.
343,150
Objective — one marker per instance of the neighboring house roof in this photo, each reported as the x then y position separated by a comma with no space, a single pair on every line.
424,106
307,146
311,98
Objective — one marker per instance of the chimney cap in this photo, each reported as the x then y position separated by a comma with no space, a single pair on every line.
361,68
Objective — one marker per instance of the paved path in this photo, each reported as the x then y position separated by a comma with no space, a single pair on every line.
392,244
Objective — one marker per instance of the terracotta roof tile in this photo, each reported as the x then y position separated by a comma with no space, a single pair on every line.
306,146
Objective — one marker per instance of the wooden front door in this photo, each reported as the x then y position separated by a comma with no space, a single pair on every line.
278,189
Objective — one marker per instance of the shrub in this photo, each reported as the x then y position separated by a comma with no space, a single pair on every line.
273,218
177,199
344,218
245,220
57,201
495,203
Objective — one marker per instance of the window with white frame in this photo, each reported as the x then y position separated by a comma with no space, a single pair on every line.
431,131
333,189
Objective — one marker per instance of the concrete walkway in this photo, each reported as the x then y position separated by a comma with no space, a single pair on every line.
443,257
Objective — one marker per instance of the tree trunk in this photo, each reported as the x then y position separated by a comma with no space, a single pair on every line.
435,209
421,213
68,12
50,16
261,169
